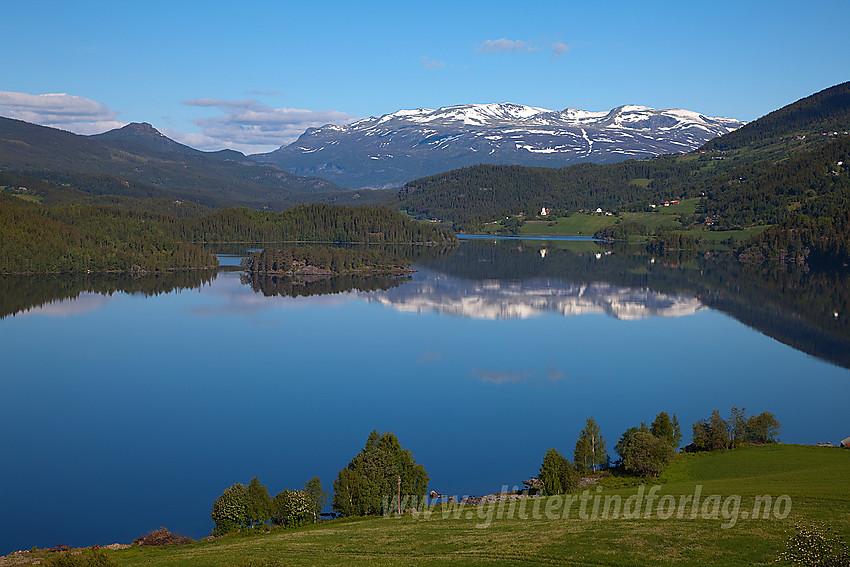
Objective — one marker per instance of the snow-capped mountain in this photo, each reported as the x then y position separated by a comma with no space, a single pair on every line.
388,151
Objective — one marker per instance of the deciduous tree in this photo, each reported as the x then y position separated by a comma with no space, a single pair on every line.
590,448
763,428
228,511
371,478
645,454
258,504
317,497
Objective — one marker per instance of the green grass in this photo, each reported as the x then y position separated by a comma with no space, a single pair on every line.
579,223
813,478
588,224
685,206
662,218
654,221
28,197
24,196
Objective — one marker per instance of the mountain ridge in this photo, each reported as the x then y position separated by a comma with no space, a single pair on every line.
389,150
138,154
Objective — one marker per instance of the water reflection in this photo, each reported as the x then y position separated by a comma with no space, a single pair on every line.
285,286
804,310
495,299
47,293
510,279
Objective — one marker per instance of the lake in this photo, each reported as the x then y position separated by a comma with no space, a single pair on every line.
132,404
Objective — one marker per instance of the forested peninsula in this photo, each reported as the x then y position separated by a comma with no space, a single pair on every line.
98,238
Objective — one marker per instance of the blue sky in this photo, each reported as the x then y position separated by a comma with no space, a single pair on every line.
253,75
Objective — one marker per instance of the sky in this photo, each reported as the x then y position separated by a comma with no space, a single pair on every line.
253,75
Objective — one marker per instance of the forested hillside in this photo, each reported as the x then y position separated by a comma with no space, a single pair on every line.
826,111
483,192
310,223
97,238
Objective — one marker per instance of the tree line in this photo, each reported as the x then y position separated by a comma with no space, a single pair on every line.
103,238
645,451
383,471
311,223
250,507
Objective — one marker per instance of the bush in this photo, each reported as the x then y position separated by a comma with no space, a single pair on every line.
162,536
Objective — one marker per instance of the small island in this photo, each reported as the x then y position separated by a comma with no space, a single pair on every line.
316,262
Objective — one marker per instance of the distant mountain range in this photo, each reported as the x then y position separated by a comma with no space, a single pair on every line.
139,161
390,150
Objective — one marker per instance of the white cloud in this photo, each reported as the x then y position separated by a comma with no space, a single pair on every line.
429,63
244,125
252,127
559,48
59,110
505,46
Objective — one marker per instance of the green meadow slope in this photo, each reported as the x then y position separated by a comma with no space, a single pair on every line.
806,485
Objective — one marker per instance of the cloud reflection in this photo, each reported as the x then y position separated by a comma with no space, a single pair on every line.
83,303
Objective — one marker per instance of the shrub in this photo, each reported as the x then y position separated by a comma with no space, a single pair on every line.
162,536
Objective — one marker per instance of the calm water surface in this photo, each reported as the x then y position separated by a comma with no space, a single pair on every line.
124,412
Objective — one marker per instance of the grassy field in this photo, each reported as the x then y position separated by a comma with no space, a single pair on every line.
579,223
662,218
714,236
587,224
805,484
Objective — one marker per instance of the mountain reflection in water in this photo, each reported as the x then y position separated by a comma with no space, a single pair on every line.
515,279
495,299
